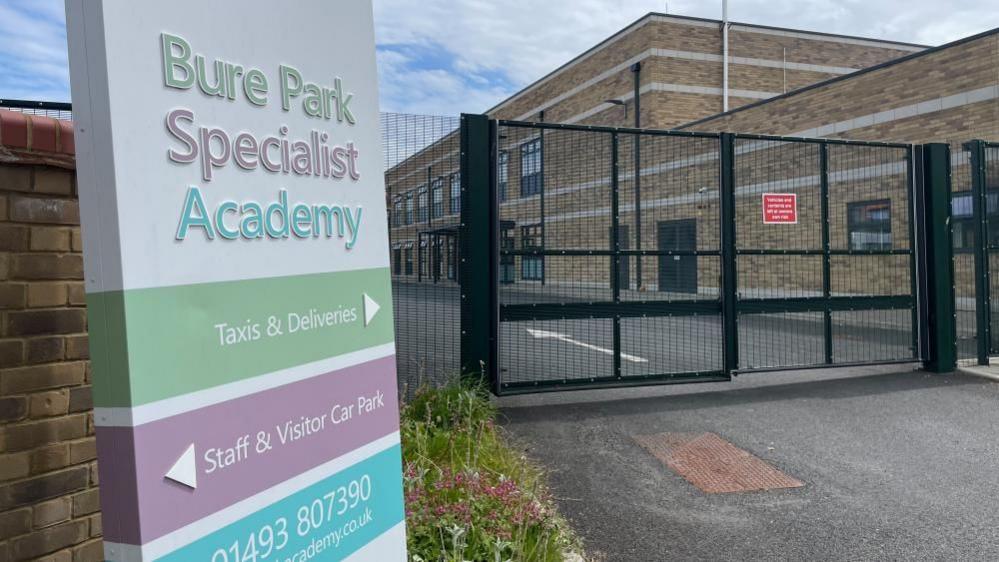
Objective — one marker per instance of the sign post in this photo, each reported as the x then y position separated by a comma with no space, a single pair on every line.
238,290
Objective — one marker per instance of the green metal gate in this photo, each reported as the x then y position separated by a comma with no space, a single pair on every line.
635,257
975,215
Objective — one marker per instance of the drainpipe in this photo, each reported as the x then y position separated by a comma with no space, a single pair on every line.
724,55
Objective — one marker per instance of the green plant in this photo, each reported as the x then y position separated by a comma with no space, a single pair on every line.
469,495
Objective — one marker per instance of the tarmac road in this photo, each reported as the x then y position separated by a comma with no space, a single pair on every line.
897,465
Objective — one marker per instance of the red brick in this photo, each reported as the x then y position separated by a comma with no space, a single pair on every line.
54,181
41,377
34,322
13,129
48,540
43,133
4,265
44,210
67,144
24,436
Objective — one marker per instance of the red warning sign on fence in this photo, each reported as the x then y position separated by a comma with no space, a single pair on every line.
780,208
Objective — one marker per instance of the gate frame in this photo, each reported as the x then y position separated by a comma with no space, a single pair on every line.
983,275
930,298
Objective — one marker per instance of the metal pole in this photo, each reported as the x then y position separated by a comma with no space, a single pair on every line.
729,292
826,281
541,154
616,253
724,55
939,258
636,70
979,207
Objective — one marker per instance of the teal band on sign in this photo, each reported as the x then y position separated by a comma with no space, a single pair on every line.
195,337
326,521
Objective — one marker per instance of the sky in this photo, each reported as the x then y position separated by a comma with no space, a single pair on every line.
443,57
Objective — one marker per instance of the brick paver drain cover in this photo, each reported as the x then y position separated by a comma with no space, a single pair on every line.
714,465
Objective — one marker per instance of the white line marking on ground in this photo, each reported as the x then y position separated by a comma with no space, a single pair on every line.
542,334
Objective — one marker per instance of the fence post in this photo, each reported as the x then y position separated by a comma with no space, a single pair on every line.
939,267
979,206
478,274
730,330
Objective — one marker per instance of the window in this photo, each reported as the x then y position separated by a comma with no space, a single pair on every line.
531,267
503,174
409,208
963,219
397,211
530,168
421,204
455,193
507,268
396,260
409,258
437,198
869,225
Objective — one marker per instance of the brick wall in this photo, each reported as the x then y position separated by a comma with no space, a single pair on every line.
49,507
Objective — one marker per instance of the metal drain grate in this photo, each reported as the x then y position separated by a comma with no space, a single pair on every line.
714,465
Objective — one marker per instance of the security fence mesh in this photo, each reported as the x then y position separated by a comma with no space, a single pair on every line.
55,110
422,182
613,254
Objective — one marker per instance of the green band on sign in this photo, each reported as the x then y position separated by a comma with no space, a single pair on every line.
195,337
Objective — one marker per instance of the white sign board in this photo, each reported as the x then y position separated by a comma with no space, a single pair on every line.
238,290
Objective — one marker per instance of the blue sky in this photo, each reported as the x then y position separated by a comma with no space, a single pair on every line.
448,56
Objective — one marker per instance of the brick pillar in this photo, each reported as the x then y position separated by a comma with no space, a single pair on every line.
48,473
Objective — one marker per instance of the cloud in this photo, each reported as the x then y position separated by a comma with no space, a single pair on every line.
449,56
33,52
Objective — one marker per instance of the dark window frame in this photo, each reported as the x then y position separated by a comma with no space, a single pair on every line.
422,204
455,193
532,267
859,225
503,174
409,208
437,192
530,178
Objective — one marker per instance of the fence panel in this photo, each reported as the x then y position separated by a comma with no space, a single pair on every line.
423,190
825,253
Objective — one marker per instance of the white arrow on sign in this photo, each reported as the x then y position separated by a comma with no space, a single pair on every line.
184,470
370,309
542,334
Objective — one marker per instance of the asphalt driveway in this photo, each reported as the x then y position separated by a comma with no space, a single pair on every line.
896,465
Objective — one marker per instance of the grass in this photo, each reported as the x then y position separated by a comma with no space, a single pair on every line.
470,496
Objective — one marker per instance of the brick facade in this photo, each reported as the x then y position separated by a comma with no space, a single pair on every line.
49,506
